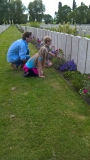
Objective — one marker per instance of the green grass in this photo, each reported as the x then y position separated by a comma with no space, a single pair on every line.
51,120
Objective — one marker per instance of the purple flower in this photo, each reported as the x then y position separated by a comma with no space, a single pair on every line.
68,66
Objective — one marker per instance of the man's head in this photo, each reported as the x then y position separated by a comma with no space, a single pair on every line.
47,40
27,36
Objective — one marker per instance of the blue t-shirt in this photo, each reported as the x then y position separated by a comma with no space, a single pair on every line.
17,50
31,64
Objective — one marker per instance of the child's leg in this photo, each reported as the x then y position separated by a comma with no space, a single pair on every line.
31,72
48,64
41,73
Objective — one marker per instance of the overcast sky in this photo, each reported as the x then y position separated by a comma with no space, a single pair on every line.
52,5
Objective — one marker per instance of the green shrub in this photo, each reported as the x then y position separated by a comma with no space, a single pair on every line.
72,74
57,62
85,89
35,24
75,78
88,36
77,84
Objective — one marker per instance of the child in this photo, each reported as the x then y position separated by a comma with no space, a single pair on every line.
35,65
47,42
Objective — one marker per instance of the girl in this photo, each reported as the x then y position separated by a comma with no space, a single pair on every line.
35,65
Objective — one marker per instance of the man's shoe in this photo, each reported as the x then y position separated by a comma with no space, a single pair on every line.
14,66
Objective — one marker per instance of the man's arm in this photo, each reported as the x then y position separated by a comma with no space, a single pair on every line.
22,52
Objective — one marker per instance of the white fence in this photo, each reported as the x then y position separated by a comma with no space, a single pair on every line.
77,47
3,28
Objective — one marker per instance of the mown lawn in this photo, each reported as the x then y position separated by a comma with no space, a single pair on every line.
42,119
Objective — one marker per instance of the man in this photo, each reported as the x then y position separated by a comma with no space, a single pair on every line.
18,52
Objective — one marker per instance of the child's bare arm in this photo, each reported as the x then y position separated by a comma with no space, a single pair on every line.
40,69
52,54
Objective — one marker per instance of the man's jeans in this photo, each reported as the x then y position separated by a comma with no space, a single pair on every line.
20,62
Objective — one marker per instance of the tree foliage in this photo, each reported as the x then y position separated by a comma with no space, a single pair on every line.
3,11
74,5
36,10
62,13
12,11
79,15
48,18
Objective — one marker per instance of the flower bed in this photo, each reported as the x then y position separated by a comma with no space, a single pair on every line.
80,82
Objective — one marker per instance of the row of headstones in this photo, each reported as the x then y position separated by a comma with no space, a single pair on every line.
83,30
49,25
77,47
3,28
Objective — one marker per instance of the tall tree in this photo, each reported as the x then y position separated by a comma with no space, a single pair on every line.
74,5
36,10
62,14
81,14
3,11
59,5
48,18
82,4
16,11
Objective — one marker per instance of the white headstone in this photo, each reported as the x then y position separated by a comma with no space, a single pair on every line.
56,41
49,33
82,55
68,45
87,70
46,32
59,40
63,42
23,28
53,38
75,48
40,34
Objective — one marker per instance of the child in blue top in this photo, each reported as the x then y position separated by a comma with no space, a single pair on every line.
35,65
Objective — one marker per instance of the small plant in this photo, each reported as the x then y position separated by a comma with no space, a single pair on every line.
37,42
85,90
59,59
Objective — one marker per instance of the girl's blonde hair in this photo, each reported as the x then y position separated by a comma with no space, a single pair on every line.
42,53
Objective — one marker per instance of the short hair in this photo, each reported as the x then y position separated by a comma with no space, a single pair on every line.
47,39
26,34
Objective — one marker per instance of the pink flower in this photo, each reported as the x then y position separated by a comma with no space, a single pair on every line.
85,90
88,77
